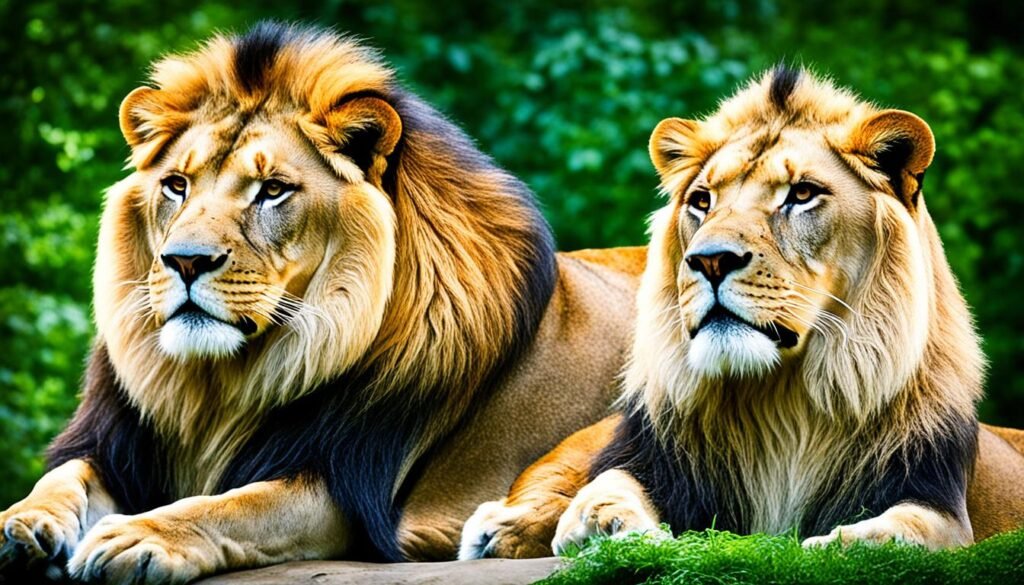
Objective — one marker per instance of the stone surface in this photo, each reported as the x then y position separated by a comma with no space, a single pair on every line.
482,572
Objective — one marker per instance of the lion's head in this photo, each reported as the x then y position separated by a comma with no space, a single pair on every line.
796,254
258,177
293,216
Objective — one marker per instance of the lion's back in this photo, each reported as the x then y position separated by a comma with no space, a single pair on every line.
1014,437
629,260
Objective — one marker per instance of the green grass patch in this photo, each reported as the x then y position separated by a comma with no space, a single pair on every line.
723,558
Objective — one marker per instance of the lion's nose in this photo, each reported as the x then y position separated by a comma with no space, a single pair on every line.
190,266
716,265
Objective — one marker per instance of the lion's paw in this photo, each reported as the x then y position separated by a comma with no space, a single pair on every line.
39,533
136,549
597,511
43,533
497,530
906,522
877,530
36,537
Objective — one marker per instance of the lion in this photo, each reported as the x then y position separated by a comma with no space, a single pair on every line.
327,326
803,359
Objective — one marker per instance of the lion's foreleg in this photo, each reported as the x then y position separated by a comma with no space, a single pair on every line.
49,523
907,522
256,525
522,524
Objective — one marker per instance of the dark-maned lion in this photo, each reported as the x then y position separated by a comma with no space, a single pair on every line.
327,326
803,358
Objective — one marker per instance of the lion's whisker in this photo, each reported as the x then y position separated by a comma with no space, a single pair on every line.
813,326
832,321
825,293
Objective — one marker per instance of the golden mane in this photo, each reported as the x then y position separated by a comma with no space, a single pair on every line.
463,261
909,365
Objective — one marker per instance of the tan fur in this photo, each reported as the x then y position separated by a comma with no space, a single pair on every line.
886,347
566,381
1015,437
995,497
256,525
625,260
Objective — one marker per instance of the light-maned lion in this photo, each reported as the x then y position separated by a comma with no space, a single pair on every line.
803,358
327,326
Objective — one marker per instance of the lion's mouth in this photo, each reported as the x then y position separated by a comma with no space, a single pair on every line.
193,313
718,315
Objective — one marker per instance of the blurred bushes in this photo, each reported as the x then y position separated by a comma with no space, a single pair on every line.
563,96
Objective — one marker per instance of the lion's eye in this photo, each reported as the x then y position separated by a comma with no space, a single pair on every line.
803,192
274,191
700,200
175,187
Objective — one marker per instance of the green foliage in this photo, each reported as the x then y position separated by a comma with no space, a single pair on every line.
564,96
723,558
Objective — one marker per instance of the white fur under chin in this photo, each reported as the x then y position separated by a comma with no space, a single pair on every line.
732,348
193,336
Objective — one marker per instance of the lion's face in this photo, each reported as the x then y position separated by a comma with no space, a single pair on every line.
249,221
791,206
771,240
238,223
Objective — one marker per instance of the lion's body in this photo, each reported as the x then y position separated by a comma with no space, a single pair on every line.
327,325
803,359
567,378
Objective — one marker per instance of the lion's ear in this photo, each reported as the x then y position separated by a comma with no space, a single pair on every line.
364,129
679,146
148,122
899,145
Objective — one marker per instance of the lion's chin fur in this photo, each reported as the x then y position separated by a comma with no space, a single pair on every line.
197,338
732,350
